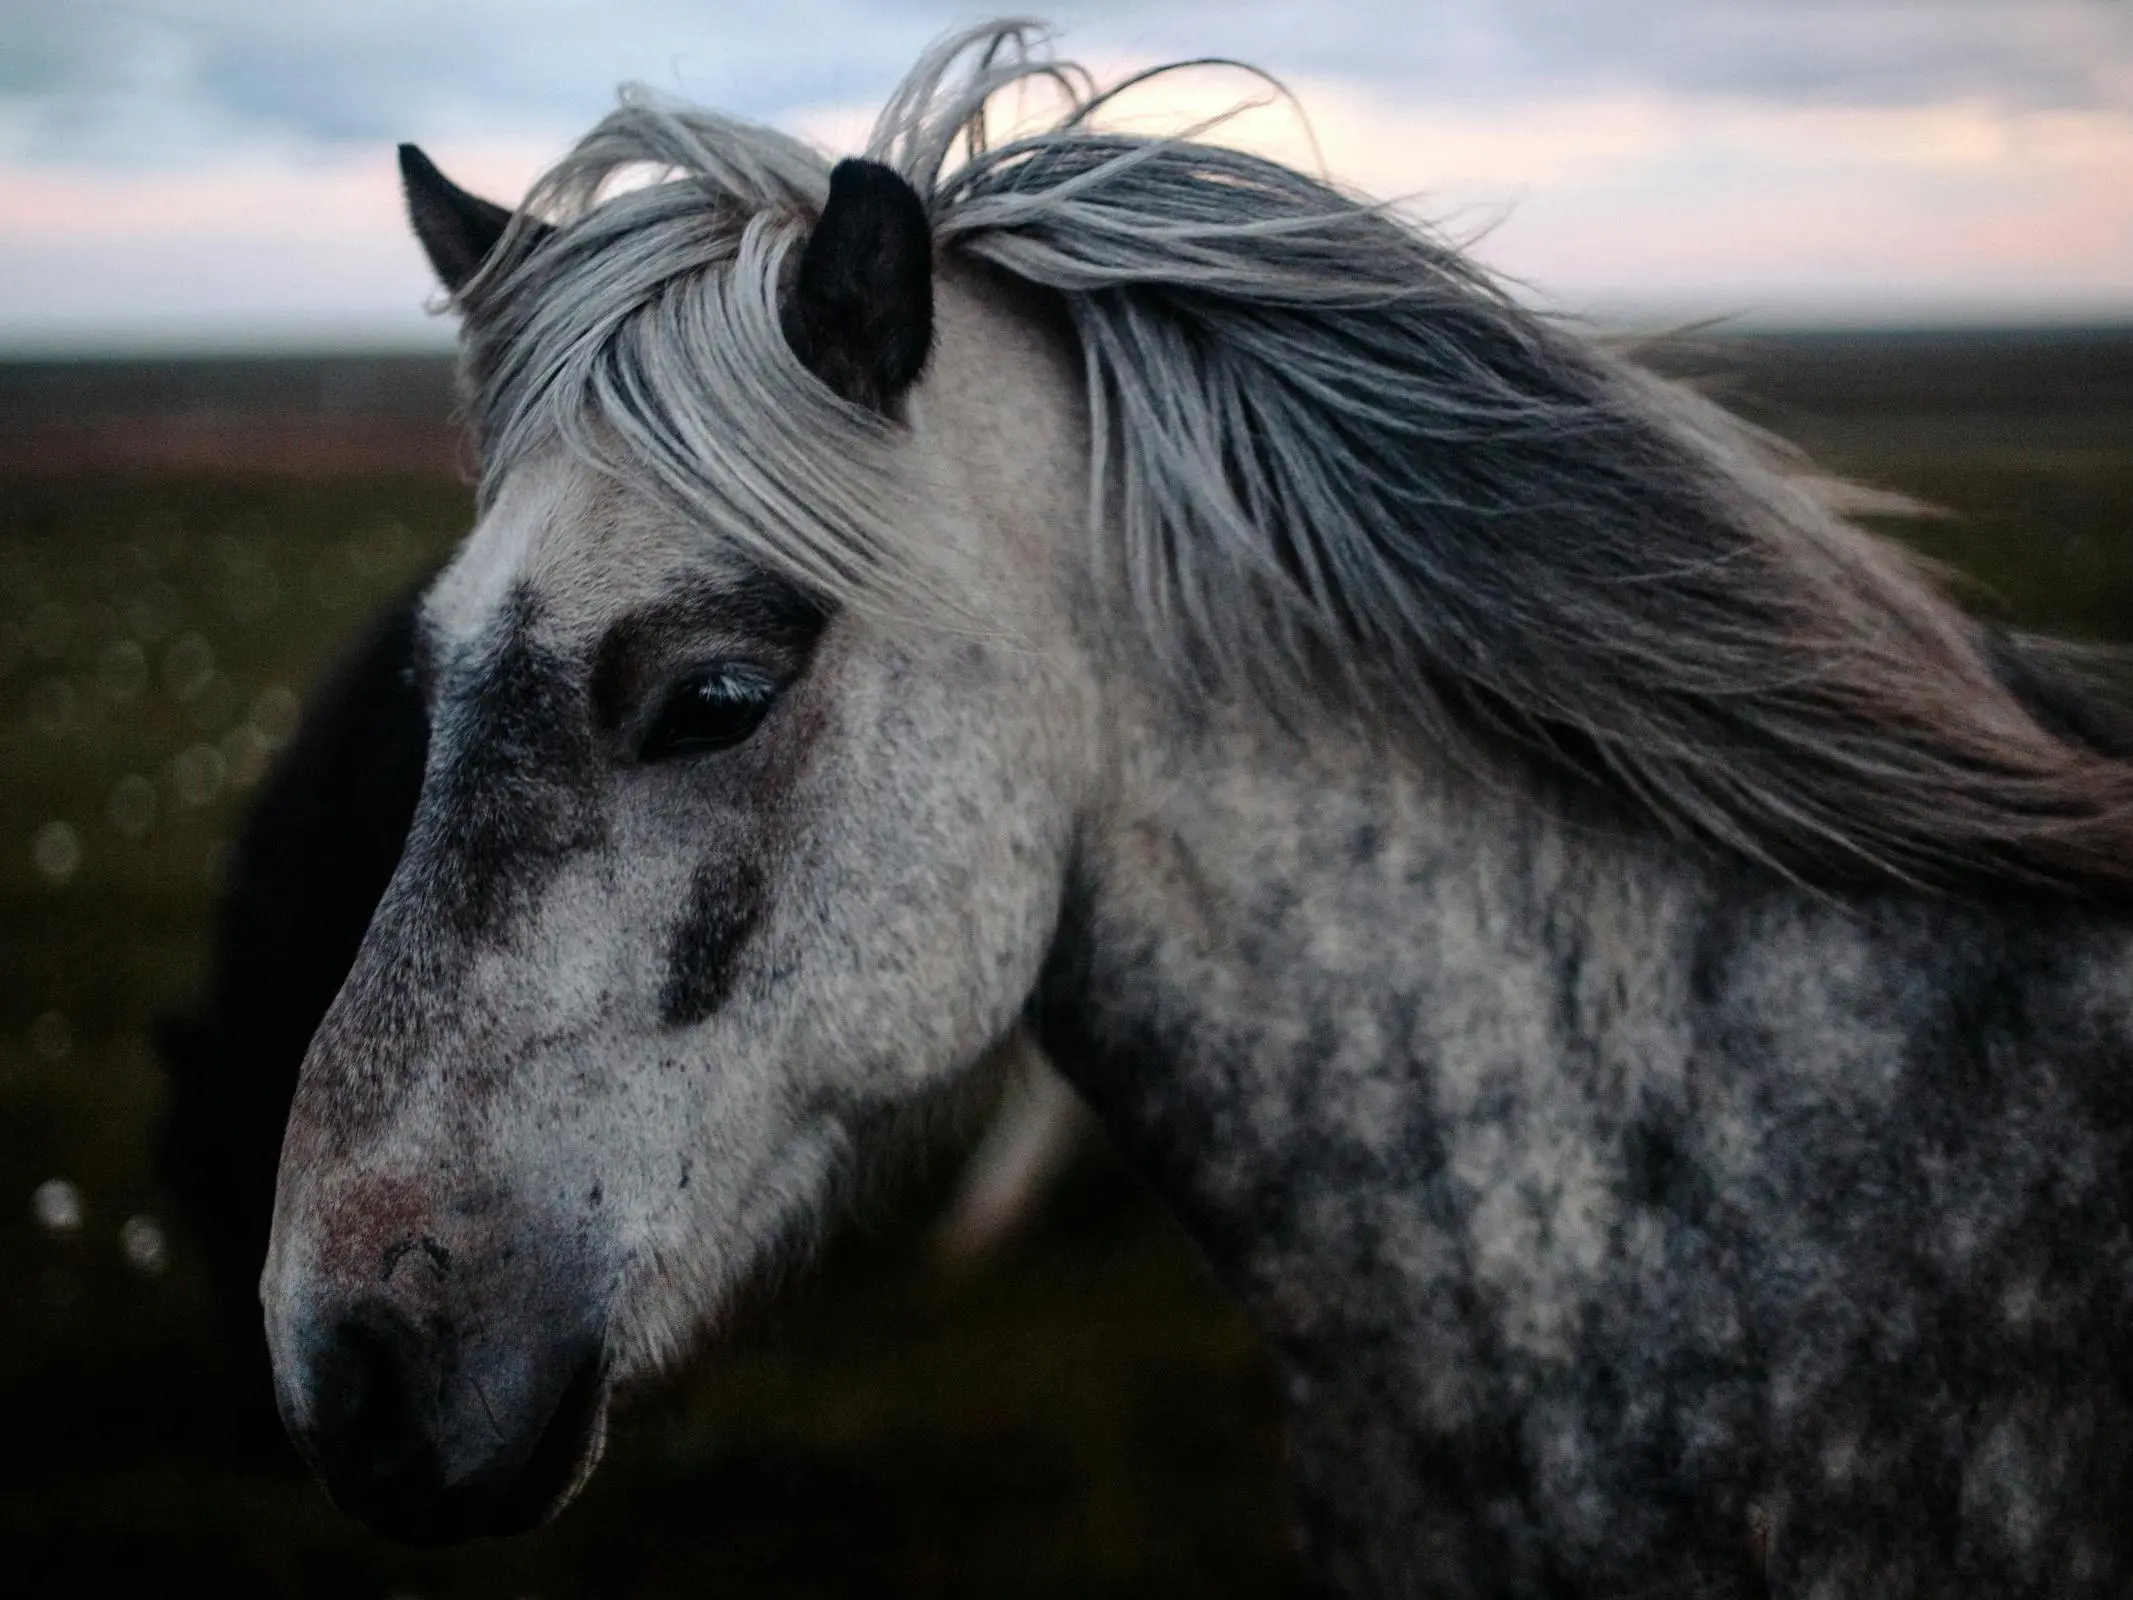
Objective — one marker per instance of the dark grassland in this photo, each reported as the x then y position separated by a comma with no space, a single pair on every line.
181,546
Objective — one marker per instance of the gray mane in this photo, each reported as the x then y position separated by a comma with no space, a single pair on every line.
1334,464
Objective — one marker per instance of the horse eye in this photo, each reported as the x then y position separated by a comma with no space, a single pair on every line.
714,709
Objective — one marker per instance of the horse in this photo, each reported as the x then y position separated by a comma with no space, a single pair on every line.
1623,979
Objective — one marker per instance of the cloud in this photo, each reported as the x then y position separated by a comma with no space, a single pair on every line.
142,81
222,172
2027,54
152,82
1655,205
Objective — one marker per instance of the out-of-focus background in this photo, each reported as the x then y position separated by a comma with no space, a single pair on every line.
226,440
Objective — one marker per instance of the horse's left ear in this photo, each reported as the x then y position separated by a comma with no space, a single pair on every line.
457,229
860,311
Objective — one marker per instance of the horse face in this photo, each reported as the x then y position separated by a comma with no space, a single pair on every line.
706,886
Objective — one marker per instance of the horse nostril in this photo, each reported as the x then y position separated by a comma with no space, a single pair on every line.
370,1431
428,1439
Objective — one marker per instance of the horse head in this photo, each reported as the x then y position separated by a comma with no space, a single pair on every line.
715,881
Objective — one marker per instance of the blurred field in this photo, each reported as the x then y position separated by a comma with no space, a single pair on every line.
180,548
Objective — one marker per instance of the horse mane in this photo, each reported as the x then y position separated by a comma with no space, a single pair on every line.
1333,462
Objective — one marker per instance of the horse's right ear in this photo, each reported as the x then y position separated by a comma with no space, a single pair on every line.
457,229
859,314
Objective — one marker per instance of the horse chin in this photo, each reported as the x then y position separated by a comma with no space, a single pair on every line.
562,1462
593,1449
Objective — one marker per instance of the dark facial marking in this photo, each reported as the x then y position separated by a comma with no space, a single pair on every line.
725,901
511,794
761,620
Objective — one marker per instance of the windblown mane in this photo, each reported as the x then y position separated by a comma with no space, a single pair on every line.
1332,460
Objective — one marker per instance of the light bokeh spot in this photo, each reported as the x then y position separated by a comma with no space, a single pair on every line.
56,851
56,1204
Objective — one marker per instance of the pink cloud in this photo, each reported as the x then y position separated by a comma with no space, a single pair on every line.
1780,209
1651,204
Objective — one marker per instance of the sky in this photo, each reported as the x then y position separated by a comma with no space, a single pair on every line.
198,174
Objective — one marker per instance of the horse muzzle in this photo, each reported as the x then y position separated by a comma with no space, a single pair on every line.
443,1395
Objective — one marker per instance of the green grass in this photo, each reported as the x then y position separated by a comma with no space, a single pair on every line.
153,637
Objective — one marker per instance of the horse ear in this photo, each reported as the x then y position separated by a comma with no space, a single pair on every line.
860,312
457,229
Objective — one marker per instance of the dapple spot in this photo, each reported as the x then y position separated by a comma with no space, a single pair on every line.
725,901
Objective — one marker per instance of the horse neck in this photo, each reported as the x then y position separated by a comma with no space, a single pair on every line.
1284,962
1318,994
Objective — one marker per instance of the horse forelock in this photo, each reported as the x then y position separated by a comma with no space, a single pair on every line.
1332,462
